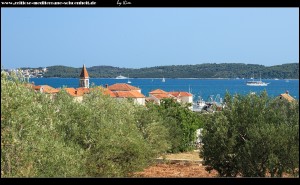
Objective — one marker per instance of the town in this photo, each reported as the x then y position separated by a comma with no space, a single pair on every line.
27,72
122,91
118,91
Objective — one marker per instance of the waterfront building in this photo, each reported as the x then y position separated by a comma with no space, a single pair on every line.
179,96
123,90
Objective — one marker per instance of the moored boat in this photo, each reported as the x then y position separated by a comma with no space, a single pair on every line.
121,77
256,82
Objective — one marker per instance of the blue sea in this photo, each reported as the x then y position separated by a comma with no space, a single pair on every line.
198,87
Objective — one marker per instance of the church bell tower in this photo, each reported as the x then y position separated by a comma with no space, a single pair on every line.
84,78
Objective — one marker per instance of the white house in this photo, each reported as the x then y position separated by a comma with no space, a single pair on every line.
123,90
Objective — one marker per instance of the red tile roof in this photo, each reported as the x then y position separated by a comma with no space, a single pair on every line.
83,90
181,94
36,87
105,91
51,91
73,92
84,73
122,87
48,89
287,97
158,91
161,96
128,94
108,92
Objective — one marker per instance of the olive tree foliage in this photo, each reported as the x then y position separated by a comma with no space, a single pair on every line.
99,137
181,123
253,136
31,146
107,130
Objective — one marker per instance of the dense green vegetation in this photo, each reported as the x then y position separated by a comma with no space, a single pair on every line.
254,135
102,137
99,137
225,70
181,123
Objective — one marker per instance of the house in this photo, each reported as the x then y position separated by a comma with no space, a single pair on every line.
104,91
44,89
183,97
137,97
179,96
158,95
286,96
123,87
123,90
77,95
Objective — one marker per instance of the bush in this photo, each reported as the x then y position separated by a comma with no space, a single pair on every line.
181,123
99,137
253,136
31,146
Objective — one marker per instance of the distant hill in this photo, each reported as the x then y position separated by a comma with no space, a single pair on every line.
208,70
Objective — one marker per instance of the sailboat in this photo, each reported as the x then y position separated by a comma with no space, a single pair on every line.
128,80
257,83
163,79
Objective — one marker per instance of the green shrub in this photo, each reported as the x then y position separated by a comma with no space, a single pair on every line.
181,123
253,136
99,137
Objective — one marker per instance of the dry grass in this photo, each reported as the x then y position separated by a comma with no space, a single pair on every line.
193,156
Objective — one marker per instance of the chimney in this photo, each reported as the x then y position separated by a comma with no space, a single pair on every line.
76,92
106,86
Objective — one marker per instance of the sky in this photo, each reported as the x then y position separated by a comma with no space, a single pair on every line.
148,37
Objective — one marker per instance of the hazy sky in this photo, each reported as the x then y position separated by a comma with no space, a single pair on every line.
147,37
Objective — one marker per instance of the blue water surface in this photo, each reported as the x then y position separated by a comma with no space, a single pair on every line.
198,87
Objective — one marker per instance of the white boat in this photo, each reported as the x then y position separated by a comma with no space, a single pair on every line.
163,79
256,83
199,105
121,77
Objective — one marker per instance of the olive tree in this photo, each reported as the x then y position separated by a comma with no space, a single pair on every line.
253,136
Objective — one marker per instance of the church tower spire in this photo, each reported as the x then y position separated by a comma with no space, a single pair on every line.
84,78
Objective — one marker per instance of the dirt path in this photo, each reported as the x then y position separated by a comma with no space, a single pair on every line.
193,156
177,165
175,170
182,165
